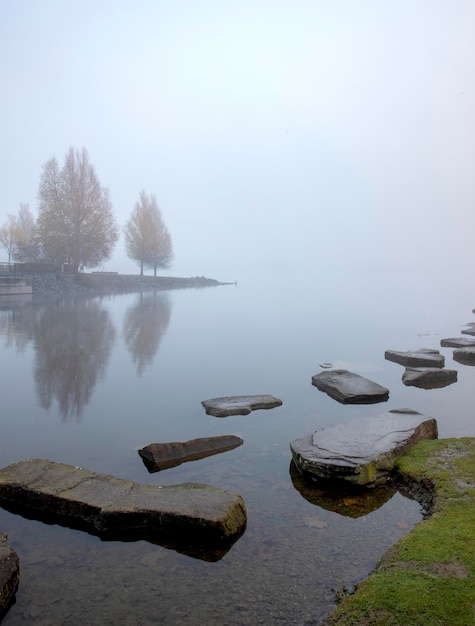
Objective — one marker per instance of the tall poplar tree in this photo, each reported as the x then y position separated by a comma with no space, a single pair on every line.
147,239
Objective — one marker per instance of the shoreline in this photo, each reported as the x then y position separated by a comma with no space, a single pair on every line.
428,576
57,285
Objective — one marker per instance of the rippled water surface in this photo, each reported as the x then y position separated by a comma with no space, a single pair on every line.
89,382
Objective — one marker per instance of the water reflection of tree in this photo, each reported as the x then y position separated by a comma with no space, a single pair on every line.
73,343
144,326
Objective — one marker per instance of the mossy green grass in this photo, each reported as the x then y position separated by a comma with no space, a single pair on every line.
428,577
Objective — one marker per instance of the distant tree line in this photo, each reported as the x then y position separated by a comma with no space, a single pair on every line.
76,225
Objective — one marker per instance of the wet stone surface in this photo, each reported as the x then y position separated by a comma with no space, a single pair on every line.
425,357
429,377
9,572
104,504
466,356
350,388
362,451
239,405
160,456
457,342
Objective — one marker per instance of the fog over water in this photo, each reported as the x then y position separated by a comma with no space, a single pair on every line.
320,154
278,137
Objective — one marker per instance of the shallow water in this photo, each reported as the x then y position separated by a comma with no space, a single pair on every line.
89,382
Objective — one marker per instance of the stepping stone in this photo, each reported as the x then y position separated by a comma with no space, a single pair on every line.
103,503
457,342
424,357
362,451
160,456
349,388
466,356
9,572
429,377
468,331
239,405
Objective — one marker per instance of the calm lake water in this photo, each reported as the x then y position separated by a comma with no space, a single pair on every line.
89,382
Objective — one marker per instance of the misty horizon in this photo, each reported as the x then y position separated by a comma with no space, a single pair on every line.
277,139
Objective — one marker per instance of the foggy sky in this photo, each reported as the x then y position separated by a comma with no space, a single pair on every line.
277,136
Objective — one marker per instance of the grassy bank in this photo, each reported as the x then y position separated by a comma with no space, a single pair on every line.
428,577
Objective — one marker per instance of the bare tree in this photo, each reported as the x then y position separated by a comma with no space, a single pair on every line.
75,222
9,235
27,248
147,239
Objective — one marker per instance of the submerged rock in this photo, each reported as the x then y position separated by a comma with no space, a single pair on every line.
160,456
101,503
239,405
424,357
457,342
362,451
349,388
429,377
466,356
9,572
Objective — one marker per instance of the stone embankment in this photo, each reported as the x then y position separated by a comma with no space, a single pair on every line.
53,285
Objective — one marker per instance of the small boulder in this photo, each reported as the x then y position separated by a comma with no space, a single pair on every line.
349,388
457,342
160,456
9,572
239,405
429,377
466,356
424,357
362,451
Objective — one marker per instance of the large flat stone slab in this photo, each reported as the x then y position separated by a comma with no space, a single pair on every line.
429,377
349,388
362,451
9,572
469,331
424,357
160,456
466,356
239,405
103,503
457,342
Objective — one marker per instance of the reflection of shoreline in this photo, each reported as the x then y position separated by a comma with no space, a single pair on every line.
145,323
340,498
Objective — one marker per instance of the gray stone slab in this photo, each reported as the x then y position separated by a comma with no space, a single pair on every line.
466,356
239,405
457,342
468,331
350,388
9,572
362,451
104,503
429,377
160,456
424,357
